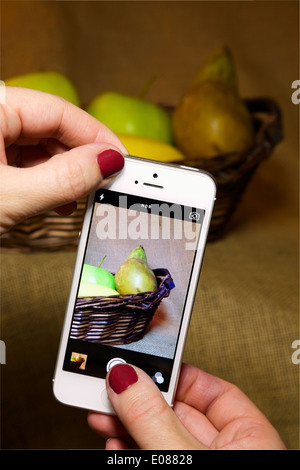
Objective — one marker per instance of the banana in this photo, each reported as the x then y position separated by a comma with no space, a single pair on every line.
151,149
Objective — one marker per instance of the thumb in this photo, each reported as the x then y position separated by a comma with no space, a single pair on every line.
143,411
56,182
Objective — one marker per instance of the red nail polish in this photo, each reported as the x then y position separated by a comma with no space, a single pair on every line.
121,377
110,162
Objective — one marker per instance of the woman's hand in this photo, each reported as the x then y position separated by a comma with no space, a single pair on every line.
208,413
51,153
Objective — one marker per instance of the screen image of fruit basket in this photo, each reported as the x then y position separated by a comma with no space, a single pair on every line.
134,279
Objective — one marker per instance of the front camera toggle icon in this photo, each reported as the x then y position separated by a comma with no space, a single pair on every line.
158,378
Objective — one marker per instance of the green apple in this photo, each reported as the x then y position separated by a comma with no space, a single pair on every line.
87,289
97,275
48,81
125,114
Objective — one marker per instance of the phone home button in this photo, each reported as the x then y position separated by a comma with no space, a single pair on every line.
113,362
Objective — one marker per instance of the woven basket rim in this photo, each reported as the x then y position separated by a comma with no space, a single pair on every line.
165,284
122,322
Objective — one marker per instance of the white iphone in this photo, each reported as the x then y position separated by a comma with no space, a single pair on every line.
135,278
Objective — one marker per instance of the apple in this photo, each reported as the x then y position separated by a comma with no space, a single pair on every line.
97,275
87,289
125,114
49,82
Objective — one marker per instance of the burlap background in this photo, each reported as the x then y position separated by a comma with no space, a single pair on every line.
246,312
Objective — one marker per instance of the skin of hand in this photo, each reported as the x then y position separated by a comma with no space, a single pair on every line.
208,413
51,153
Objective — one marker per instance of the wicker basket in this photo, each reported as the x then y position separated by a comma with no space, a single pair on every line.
119,319
46,232
51,232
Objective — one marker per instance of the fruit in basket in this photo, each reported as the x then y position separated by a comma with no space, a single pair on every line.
131,115
97,275
78,358
49,82
134,275
138,253
211,119
88,289
151,148
219,67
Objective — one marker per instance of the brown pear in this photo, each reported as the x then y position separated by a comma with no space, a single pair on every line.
219,67
211,119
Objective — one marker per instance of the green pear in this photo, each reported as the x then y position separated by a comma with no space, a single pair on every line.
134,275
138,253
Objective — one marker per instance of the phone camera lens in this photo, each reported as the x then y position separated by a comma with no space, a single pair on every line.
136,181
155,175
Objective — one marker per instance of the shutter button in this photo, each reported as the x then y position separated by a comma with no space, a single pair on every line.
113,362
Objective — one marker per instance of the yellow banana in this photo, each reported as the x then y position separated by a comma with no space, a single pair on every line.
151,149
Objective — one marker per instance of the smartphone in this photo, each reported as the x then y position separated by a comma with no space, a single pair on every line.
156,215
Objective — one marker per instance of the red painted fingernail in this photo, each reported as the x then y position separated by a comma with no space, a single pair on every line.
121,377
110,162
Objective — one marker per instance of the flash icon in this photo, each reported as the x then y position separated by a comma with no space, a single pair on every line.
101,197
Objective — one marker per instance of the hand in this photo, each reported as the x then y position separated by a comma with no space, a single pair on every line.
51,153
209,413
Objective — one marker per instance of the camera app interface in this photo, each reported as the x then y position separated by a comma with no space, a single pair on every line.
133,285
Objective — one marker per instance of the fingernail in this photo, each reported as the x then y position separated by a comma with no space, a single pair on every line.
110,162
121,377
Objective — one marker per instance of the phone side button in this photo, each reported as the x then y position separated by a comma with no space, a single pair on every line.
106,402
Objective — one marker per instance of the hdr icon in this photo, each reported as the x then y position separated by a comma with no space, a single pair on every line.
2,352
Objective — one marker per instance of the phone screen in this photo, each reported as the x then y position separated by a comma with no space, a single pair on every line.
143,328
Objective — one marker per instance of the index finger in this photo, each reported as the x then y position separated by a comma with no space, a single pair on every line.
43,115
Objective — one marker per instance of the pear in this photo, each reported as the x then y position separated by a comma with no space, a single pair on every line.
219,67
138,253
134,275
211,119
